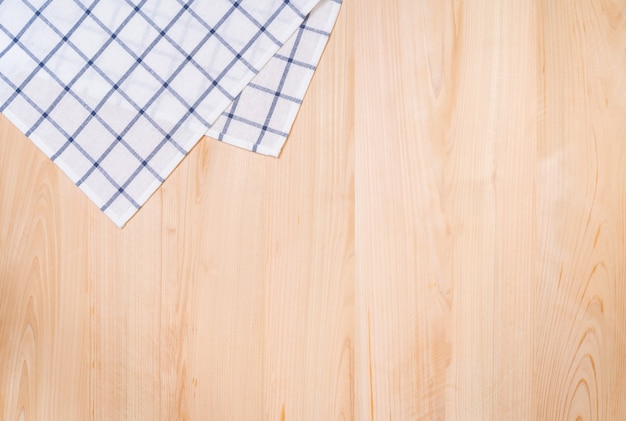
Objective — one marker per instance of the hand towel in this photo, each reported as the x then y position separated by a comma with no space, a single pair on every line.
117,92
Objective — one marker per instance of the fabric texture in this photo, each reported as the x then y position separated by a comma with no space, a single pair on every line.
117,92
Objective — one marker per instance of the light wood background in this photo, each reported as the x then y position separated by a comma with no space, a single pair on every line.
443,238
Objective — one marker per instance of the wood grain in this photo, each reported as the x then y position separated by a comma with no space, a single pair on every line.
443,238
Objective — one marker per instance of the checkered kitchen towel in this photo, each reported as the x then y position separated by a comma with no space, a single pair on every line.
117,92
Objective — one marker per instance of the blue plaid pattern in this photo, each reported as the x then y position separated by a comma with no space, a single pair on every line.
116,93
261,117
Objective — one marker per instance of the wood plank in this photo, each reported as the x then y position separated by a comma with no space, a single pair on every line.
579,334
480,145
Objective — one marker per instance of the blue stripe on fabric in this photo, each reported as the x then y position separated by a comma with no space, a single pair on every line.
260,27
232,110
168,136
76,145
42,63
19,35
281,84
45,116
89,65
251,42
218,37
273,92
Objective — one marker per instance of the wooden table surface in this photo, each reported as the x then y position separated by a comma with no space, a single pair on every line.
443,238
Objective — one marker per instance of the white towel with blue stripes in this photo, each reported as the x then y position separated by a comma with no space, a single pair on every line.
117,92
